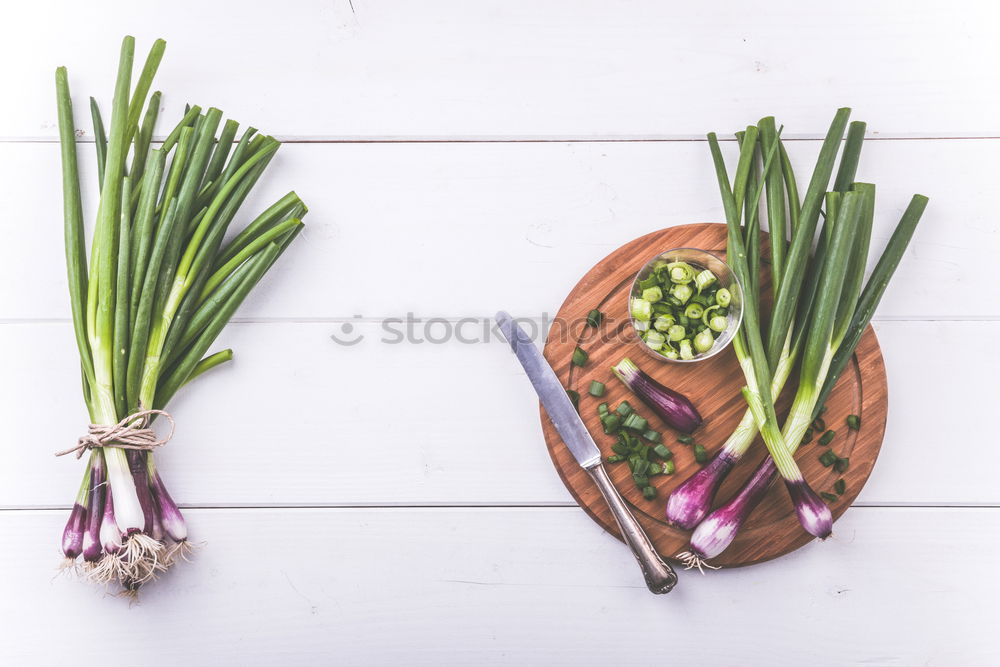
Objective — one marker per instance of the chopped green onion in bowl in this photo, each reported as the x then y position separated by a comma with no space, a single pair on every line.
685,305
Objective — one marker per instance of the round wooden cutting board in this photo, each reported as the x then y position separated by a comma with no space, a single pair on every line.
714,387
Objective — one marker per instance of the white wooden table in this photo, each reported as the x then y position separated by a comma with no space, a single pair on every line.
394,504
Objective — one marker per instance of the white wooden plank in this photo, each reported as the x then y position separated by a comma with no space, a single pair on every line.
300,420
510,586
447,68
465,229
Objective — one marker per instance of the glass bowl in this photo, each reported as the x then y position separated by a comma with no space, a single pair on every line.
699,260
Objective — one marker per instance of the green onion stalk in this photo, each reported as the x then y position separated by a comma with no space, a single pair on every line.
749,342
834,312
160,286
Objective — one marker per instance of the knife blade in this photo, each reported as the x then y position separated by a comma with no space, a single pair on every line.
551,393
660,577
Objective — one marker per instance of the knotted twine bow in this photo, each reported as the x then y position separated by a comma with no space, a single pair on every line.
133,432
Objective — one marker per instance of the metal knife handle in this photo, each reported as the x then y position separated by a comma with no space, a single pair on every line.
660,577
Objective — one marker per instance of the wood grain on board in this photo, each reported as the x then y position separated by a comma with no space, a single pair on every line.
714,387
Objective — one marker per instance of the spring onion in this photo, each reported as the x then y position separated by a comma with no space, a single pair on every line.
827,438
579,356
160,286
596,389
594,318
853,422
840,486
673,408
818,318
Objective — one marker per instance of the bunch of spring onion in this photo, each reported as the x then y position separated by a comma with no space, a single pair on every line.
819,314
160,286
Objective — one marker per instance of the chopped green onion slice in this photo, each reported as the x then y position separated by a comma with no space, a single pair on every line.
663,452
704,279
669,467
654,340
624,408
574,396
685,439
652,436
841,465
635,423
827,437
703,341
652,294
597,390
602,409
682,292
641,309
681,272
840,486
580,356
594,318
663,322
819,424
828,497
828,458
648,492
694,311
700,455
615,458
611,423
853,422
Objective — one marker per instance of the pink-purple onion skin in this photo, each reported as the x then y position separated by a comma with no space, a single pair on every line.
137,465
92,547
714,535
72,538
672,407
814,515
170,515
691,501
111,534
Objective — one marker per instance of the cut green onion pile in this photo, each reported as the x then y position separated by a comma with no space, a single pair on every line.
636,444
160,286
679,309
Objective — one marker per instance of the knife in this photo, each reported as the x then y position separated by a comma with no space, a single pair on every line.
660,577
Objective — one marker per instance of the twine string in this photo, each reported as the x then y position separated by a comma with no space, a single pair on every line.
133,432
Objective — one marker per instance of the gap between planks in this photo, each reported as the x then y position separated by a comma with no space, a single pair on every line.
482,506
528,139
355,319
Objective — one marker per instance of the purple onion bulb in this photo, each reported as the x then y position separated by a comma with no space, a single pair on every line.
72,539
170,515
111,534
92,548
690,502
673,408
